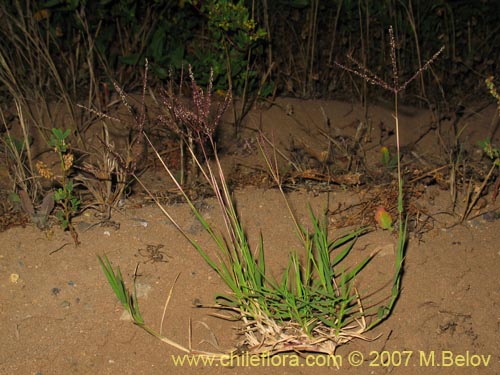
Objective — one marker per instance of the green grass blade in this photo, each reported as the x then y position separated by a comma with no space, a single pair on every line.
115,280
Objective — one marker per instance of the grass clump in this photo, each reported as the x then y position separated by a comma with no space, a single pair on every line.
314,306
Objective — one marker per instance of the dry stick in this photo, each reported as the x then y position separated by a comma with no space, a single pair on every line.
27,146
16,87
313,37
167,301
430,173
364,54
165,212
244,99
454,161
411,19
268,33
472,203
367,135
230,84
326,123
495,121
265,77
453,182
93,81
280,153
165,339
334,36
272,166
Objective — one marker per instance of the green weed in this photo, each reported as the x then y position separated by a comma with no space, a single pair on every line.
64,196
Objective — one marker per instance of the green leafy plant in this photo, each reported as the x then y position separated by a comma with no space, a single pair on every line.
236,42
235,35
64,196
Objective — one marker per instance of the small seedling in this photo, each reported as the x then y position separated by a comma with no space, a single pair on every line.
388,161
64,196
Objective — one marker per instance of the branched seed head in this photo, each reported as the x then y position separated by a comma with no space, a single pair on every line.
370,77
202,119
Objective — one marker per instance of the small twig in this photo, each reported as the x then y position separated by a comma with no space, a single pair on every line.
476,197
427,174
280,153
59,248
167,301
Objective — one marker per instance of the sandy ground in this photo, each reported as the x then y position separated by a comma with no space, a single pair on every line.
61,316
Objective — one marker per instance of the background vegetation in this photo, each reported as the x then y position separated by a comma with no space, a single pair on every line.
60,59
280,47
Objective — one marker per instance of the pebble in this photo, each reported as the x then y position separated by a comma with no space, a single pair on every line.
14,278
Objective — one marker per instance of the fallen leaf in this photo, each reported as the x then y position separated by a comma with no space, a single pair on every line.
383,218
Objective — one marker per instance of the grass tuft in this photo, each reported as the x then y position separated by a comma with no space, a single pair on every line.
314,306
